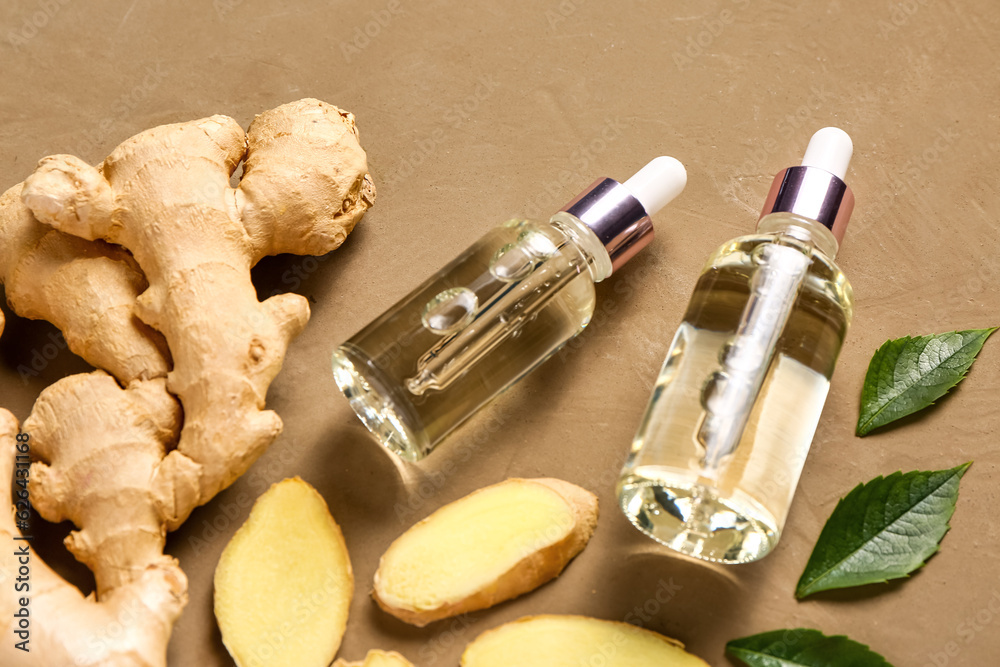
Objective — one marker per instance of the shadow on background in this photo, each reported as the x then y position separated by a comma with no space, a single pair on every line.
35,355
48,545
860,593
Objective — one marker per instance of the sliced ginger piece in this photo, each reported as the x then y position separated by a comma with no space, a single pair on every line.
570,641
376,658
284,583
490,546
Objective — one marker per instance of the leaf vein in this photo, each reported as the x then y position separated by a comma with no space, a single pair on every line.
877,534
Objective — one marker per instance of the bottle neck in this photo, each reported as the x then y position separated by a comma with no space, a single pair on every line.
598,259
801,228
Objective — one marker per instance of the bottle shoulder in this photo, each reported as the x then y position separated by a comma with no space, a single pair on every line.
740,257
748,249
566,235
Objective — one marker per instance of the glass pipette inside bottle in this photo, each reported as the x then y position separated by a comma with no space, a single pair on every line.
523,278
729,394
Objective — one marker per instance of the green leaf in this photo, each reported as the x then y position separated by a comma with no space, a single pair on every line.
882,530
908,374
809,648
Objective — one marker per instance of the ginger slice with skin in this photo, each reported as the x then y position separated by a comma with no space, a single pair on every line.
376,658
284,583
569,641
492,545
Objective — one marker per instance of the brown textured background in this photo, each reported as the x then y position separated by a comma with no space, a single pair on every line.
471,112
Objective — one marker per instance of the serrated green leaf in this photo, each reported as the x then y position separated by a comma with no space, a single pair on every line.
908,374
882,530
803,648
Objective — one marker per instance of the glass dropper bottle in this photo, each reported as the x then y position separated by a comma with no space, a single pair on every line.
495,312
719,451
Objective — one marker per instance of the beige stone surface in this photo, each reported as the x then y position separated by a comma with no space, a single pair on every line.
474,111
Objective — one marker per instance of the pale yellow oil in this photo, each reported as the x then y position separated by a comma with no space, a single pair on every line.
469,332
734,512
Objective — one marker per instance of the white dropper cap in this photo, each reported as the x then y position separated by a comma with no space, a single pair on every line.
658,183
816,190
829,149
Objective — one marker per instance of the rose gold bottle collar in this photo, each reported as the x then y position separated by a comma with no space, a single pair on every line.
813,193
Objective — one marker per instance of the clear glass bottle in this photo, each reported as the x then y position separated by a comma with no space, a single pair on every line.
718,454
496,312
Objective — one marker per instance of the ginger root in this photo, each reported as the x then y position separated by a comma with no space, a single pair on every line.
492,545
86,288
86,428
164,195
98,445
109,457
376,658
568,641
284,583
